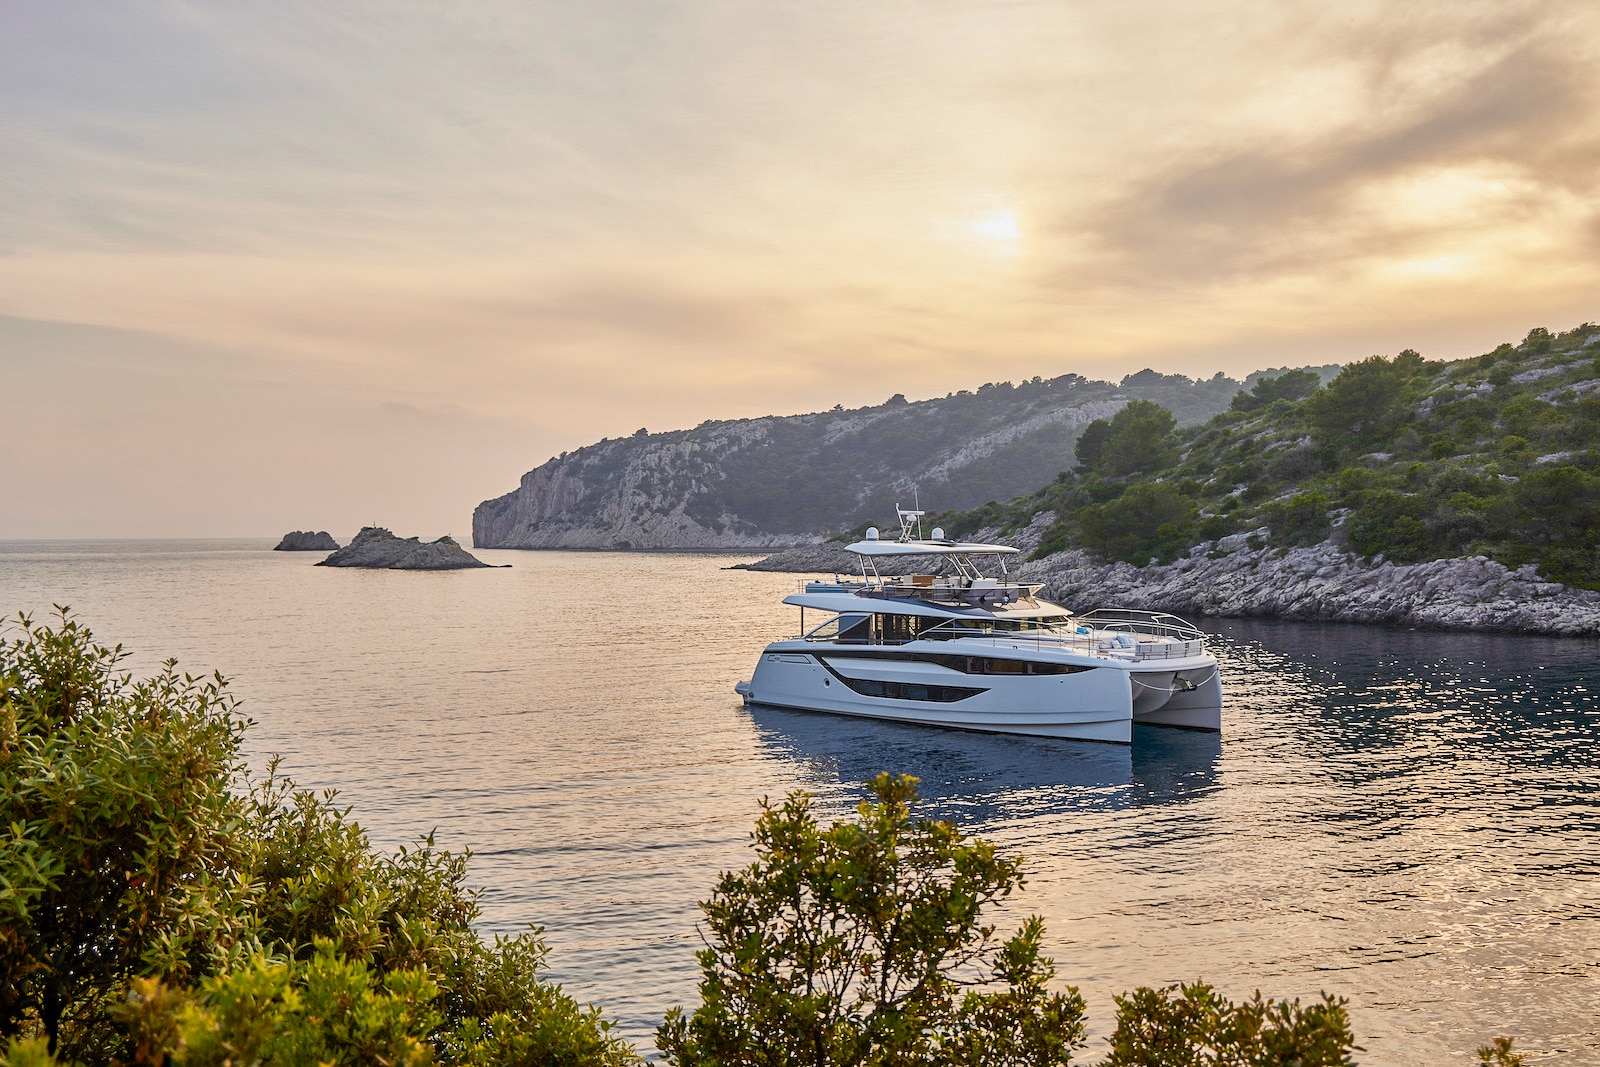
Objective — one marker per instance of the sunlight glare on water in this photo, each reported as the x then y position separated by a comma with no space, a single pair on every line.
1404,819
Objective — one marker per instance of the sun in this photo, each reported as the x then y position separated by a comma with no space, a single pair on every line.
1000,225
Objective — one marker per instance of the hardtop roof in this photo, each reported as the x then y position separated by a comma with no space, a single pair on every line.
856,604
928,548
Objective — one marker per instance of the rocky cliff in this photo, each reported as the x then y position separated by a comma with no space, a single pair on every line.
375,548
768,482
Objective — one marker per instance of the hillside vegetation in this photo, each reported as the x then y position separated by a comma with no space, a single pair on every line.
1403,458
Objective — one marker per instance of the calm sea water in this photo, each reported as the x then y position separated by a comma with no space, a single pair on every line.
1405,819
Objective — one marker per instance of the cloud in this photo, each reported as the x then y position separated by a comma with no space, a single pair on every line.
1259,209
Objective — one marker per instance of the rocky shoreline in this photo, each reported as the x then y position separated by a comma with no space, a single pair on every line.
1322,583
1325,583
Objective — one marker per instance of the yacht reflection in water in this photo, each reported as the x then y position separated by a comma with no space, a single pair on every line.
975,777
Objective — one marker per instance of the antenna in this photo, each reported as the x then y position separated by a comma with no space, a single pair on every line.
910,522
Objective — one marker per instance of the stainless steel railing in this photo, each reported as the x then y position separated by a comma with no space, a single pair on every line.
1136,620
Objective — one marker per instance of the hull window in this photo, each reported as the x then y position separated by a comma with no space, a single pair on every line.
995,665
938,694
971,664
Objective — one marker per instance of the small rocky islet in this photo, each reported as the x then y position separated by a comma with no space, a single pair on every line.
306,541
375,548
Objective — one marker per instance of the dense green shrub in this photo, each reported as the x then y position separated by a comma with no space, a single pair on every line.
863,943
1583,425
1091,443
1366,403
1520,413
1353,480
1294,464
1150,519
123,833
1300,520
1289,386
155,904
1139,440
327,1009
1390,523
1557,504
1191,1026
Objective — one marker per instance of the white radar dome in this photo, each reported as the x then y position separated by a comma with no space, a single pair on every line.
938,533
872,533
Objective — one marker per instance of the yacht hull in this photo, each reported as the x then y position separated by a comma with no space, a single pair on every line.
1098,702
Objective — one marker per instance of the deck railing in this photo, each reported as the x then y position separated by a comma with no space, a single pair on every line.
1136,620
1098,641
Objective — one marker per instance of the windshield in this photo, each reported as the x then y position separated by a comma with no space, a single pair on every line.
847,627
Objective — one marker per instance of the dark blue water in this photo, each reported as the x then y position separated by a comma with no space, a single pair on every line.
1405,819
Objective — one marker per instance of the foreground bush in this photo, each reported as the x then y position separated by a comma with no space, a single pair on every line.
155,905
1191,1026
862,943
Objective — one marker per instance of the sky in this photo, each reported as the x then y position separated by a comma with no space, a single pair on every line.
271,265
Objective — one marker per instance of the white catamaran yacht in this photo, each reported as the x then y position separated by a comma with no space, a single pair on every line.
961,649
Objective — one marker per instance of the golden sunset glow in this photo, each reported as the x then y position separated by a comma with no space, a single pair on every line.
1001,226
367,264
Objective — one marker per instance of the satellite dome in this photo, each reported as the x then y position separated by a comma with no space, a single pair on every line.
938,533
872,533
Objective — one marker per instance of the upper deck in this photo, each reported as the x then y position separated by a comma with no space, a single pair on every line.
940,571
1126,634
951,591
959,601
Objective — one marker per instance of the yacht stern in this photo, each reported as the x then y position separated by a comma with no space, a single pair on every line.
1188,699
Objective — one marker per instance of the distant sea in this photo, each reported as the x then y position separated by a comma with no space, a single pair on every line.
1410,820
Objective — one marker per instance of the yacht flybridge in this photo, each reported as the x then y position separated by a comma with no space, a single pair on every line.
947,645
